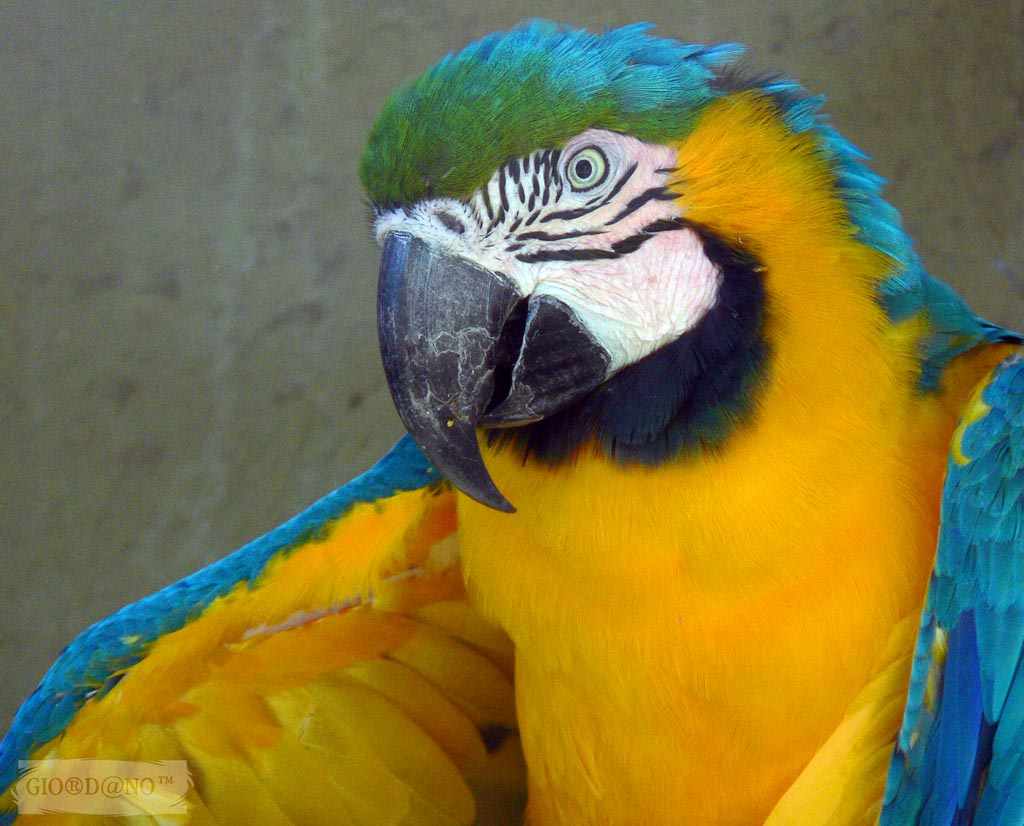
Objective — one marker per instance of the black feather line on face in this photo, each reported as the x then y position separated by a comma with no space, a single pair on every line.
655,193
568,214
540,235
502,191
688,396
624,246
487,203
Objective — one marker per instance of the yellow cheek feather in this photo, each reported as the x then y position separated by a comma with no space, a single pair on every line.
702,628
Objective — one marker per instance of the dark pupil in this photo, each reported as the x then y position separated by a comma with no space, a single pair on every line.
584,169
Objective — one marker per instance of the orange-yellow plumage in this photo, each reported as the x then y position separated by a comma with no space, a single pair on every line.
702,583
315,710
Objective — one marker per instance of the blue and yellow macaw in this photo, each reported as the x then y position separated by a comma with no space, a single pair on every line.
712,509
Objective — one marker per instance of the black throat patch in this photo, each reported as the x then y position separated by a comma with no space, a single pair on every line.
688,396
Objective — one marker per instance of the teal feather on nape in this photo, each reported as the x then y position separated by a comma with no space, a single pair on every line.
907,290
443,134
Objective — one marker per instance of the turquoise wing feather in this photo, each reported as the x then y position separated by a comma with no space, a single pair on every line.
960,754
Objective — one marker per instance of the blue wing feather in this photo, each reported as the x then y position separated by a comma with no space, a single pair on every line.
960,754
94,661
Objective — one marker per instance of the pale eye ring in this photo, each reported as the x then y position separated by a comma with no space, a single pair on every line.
586,169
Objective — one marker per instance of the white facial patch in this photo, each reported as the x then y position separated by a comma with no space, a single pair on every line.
594,224
640,302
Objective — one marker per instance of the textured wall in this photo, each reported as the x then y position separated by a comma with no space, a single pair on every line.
187,350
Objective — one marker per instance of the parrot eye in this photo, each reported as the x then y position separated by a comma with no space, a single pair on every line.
586,169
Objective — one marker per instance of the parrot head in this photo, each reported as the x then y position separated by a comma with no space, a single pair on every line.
556,270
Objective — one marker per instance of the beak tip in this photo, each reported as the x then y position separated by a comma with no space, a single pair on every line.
482,490
474,481
502,504
453,449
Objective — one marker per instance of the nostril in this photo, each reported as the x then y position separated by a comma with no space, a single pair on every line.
450,221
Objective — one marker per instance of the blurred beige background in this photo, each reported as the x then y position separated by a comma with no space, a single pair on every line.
187,344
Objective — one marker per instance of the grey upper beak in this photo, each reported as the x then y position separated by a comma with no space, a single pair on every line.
463,349
439,316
